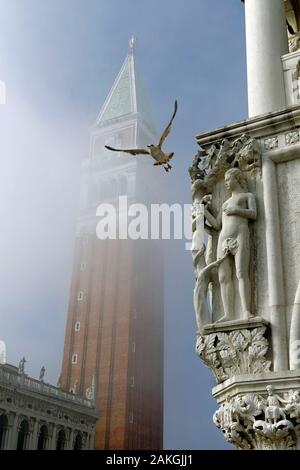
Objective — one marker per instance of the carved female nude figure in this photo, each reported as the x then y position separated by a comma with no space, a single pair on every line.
232,222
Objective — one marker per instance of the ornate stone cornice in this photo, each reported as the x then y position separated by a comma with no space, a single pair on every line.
19,395
259,126
37,390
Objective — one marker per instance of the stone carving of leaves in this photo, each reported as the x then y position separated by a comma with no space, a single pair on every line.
228,356
237,352
223,341
239,341
210,344
261,366
257,334
200,346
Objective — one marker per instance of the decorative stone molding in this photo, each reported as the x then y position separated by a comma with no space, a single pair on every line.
228,353
254,422
25,383
292,137
271,143
210,165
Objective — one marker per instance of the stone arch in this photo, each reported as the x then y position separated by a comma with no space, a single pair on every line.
78,442
3,431
61,440
43,438
23,434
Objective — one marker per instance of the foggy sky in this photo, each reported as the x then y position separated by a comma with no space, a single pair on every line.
59,59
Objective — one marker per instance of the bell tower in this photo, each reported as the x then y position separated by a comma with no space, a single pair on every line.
113,349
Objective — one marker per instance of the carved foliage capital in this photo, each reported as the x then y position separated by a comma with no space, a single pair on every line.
211,164
236,352
260,422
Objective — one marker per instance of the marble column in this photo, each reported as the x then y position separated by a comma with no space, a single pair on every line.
91,441
294,335
275,270
13,434
7,434
53,438
34,436
267,41
71,440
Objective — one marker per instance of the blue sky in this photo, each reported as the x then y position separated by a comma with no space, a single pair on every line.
58,59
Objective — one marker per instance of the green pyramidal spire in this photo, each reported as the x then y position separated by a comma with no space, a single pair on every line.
127,95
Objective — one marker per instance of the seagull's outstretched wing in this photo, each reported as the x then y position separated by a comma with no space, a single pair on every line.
131,151
168,128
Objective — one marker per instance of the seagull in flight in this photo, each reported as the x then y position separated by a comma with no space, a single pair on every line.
155,151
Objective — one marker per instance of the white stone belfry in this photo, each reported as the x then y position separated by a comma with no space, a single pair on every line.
266,39
246,182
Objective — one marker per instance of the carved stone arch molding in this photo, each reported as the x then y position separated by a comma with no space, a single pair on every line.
22,418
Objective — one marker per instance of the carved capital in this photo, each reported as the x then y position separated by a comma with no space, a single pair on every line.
255,422
229,353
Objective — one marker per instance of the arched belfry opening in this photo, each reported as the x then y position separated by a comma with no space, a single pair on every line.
23,434
61,440
78,442
43,437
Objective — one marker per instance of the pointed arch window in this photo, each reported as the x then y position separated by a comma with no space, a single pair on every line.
78,442
61,440
23,434
43,438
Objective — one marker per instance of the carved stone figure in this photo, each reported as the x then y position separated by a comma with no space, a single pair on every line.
244,153
74,388
204,278
293,406
22,366
232,222
42,374
273,411
247,153
253,422
194,171
90,392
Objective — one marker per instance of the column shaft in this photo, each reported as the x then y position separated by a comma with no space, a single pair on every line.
266,37
275,269
13,435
